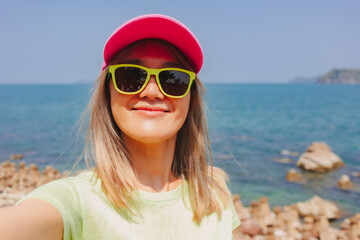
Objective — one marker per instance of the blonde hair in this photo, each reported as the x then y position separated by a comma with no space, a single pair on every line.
208,192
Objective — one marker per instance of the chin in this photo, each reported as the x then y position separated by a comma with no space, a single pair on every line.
153,137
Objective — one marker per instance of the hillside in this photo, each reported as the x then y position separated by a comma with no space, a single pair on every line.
340,76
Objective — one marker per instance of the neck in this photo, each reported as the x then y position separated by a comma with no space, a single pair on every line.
151,163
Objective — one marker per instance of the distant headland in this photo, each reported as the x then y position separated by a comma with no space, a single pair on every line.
340,76
335,76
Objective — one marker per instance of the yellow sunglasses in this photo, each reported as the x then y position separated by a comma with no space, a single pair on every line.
132,79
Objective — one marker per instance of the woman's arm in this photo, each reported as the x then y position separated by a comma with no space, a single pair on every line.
32,219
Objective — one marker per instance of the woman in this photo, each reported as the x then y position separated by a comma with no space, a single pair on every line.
148,139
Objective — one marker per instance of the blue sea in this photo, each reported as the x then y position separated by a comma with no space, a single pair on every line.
249,125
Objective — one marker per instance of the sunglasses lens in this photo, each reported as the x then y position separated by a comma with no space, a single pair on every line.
174,83
130,79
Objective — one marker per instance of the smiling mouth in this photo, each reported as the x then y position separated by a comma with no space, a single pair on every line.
150,109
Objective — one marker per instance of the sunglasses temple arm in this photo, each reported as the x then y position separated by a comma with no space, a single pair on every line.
108,76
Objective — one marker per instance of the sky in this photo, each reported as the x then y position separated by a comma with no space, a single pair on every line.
262,41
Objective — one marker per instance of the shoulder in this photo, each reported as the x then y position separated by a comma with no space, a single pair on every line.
65,185
63,193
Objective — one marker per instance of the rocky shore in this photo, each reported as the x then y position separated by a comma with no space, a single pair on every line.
17,181
299,221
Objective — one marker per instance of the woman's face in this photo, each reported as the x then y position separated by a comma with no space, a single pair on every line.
149,116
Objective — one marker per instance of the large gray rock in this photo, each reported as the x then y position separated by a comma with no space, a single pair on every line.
319,158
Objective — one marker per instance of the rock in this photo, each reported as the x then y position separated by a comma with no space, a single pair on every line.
291,232
354,229
241,211
255,211
308,228
355,174
345,225
293,176
319,158
2,181
315,205
293,215
251,227
34,176
270,233
259,237
16,157
357,215
344,182
279,222
282,160
265,212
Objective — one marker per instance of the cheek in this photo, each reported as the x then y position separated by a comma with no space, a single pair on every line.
183,106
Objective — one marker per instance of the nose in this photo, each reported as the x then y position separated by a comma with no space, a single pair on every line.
151,90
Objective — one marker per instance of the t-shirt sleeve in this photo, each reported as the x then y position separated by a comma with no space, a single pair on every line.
64,196
235,217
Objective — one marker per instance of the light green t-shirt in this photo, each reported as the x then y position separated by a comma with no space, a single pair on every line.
88,214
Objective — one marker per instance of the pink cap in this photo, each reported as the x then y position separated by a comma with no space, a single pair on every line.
155,26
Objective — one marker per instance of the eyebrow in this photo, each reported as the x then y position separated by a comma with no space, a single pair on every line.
165,65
